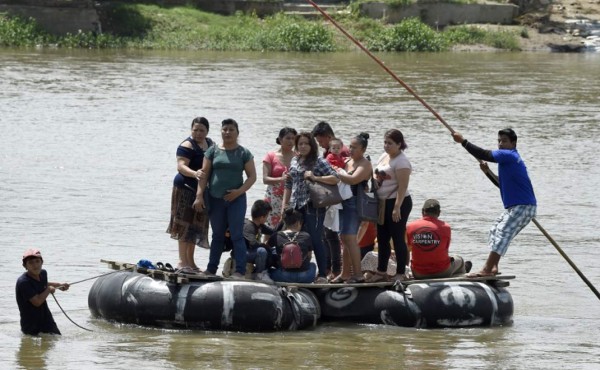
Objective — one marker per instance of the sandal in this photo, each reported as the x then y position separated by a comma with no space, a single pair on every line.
169,268
378,277
185,271
338,280
160,266
355,280
321,280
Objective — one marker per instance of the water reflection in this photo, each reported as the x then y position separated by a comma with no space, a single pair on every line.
33,351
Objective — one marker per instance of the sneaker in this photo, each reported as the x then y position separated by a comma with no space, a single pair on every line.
237,276
321,280
264,277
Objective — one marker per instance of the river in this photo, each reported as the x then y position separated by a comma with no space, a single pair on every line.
87,158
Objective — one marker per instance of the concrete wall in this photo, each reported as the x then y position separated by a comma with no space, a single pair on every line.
229,7
56,16
442,14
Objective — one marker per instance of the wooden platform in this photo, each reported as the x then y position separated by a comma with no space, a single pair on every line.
490,279
172,277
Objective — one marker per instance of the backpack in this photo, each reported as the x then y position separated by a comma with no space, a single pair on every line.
291,255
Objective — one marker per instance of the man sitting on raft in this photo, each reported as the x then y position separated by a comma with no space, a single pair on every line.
429,240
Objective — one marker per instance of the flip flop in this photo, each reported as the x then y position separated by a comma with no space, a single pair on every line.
160,266
355,280
185,271
480,274
337,280
169,268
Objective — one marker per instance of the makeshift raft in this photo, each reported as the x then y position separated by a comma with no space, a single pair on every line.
165,299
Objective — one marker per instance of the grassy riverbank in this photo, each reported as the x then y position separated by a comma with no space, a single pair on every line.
137,26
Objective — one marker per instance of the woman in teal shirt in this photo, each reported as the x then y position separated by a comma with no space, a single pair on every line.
223,169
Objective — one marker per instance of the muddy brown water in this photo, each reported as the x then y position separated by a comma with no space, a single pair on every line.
87,158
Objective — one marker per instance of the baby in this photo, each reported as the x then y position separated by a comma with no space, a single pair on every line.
334,157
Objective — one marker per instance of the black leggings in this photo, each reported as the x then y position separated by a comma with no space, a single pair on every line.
396,231
331,241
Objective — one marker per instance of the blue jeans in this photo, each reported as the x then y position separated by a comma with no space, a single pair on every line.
258,258
313,224
295,277
223,214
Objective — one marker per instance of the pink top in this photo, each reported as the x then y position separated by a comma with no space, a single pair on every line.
277,170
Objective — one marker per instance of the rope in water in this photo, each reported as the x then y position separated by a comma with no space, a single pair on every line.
488,172
81,281
63,311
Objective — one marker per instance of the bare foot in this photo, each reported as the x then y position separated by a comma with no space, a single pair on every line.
482,273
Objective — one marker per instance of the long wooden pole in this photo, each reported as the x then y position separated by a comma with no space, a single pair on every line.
489,173
562,253
378,61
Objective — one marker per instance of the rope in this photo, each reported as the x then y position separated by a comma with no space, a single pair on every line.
96,277
63,311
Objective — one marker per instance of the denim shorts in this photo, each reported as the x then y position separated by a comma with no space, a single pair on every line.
349,221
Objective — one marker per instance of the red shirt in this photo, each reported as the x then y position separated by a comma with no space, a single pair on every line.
345,152
336,160
429,238
369,237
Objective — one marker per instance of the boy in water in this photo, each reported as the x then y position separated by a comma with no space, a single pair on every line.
32,289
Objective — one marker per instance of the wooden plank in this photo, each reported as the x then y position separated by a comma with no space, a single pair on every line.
490,279
460,279
184,278
334,286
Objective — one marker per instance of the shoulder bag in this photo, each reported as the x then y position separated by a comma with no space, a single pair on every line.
323,195
367,204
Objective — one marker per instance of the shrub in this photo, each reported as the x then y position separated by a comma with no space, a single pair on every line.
295,34
15,31
409,35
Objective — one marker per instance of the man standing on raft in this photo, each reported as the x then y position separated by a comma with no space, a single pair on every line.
515,189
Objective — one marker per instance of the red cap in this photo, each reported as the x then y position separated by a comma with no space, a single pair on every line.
32,253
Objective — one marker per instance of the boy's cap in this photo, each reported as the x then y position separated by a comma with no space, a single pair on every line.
32,253
431,205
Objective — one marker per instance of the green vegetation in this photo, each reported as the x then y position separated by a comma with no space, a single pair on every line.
408,35
139,26
470,35
19,32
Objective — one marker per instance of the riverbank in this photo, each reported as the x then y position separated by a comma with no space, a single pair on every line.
138,26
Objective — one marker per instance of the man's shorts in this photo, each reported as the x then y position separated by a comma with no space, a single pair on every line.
508,225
